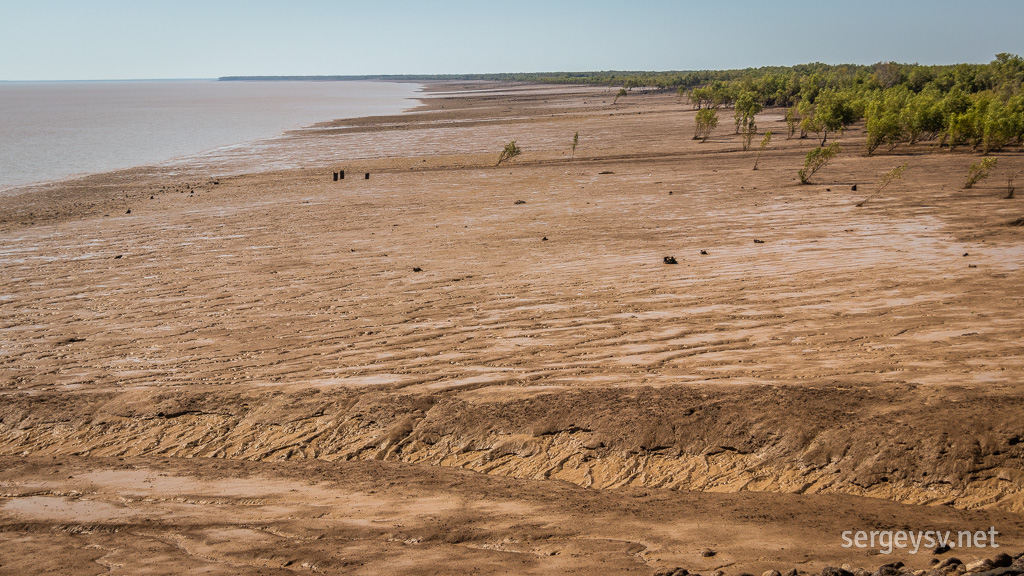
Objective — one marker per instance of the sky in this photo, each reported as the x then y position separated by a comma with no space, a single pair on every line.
154,39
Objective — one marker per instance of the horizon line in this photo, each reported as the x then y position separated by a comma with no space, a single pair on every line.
463,74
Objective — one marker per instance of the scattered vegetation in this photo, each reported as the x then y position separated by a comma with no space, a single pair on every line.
1010,188
979,171
575,142
707,121
622,92
816,160
894,174
764,144
509,152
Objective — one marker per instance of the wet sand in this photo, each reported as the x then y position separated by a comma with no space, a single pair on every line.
518,403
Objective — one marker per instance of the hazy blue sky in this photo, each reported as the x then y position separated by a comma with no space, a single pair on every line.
114,39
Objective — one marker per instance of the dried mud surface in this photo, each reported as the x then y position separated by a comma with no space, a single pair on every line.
272,372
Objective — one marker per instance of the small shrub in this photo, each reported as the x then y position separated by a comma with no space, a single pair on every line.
622,92
509,152
575,142
816,160
894,174
979,171
764,144
792,120
749,131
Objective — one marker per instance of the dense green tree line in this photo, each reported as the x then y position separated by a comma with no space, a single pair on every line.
981,106
976,105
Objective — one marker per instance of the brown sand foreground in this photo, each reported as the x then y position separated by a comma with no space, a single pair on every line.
454,367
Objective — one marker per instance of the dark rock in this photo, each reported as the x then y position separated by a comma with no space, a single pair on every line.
670,260
791,572
967,253
707,553
119,256
756,241
1002,572
942,550
853,188
951,561
703,252
677,571
129,211
892,569
152,197
544,239
1002,560
417,269
771,573
833,571
669,192
518,202
606,172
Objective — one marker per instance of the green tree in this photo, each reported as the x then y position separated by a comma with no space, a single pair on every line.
882,123
999,127
747,106
622,92
701,97
707,121
834,111
808,123
921,117
816,160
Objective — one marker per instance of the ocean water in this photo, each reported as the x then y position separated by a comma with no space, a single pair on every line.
54,130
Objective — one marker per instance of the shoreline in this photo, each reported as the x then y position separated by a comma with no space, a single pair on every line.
178,159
